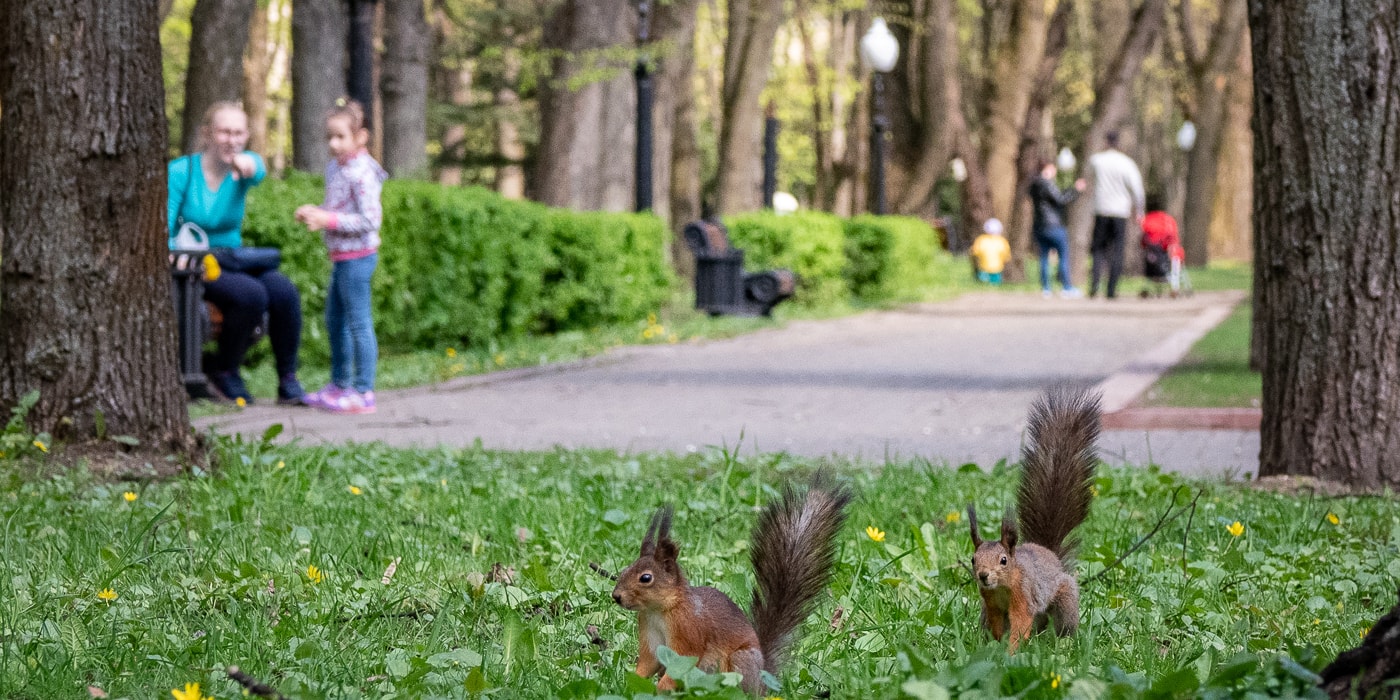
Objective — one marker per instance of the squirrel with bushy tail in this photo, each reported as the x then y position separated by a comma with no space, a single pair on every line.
793,550
1026,578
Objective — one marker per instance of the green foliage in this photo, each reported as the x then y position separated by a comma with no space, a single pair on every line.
1216,372
811,244
16,441
491,592
890,258
466,267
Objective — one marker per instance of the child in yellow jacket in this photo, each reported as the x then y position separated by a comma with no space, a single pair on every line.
990,252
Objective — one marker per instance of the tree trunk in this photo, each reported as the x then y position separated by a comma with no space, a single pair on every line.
1328,167
1211,77
1231,227
1014,73
452,84
748,59
673,50
587,132
935,66
848,118
1110,111
319,28
84,287
510,175
218,35
256,62
403,87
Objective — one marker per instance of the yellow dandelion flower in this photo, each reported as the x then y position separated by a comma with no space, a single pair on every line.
129,496
106,595
1332,518
1094,489
444,482
314,574
281,464
242,403
1235,529
191,692
875,533
354,489
952,516
452,352
500,359
1365,631
41,446
1054,681
648,333
1317,620
651,319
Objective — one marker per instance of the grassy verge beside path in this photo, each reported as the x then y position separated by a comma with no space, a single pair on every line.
1216,373
364,571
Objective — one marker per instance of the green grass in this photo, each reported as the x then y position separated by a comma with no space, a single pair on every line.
211,569
1215,374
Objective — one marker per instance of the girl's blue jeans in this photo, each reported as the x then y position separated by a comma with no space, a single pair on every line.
1048,239
350,324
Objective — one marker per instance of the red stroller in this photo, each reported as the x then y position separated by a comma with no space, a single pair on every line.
1163,257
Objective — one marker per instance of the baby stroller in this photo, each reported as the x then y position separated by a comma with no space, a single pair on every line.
1163,258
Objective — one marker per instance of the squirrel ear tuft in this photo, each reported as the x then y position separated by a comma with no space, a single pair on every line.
649,541
1008,530
972,523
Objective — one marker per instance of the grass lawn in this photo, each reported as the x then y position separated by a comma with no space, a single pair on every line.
1215,374
492,595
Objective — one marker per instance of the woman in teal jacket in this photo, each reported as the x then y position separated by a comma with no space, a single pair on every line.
209,189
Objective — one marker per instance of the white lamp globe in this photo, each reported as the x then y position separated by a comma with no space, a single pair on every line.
784,203
878,47
959,169
1066,160
1186,138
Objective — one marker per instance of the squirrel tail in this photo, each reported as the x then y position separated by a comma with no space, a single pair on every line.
1057,468
793,551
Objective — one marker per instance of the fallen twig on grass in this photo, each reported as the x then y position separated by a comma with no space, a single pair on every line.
1167,517
598,569
253,685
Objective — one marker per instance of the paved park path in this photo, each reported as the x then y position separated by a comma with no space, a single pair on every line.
949,382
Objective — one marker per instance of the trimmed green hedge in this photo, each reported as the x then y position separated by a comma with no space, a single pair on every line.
889,257
811,244
464,266
873,258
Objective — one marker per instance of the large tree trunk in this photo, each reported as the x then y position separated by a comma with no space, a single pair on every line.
1231,226
403,87
1210,74
1111,100
1014,74
587,132
933,66
748,59
218,35
510,174
676,165
1327,160
256,63
319,28
84,288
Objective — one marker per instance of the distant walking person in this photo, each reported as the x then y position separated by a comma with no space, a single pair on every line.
1049,226
1118,195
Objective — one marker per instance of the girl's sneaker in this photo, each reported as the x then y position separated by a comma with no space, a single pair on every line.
324,398
351,401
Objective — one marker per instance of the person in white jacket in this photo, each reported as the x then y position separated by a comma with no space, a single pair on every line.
1118,196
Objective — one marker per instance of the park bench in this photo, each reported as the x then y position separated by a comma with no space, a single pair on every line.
721,286
198,320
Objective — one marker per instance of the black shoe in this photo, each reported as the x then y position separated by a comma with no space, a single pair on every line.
230,384
290,393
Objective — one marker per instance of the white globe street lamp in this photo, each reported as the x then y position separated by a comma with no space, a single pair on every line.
1186,137
1065,160
880,50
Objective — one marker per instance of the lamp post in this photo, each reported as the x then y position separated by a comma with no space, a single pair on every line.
880,50
644,102
770,155
359,74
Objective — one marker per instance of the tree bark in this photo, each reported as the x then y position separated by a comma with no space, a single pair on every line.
1231,226
403,88
935,66
748,59
1014,72
218,35
510,175
319,28
1327,162
85,302
587,131
452,84
256,62
673,51
1210,75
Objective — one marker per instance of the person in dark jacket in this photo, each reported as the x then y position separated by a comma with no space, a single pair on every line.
1049,226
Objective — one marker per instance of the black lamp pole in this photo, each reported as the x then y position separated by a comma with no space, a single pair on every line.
644,102
770,155
880,125
359,75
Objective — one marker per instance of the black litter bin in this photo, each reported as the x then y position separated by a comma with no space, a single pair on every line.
187,290
721,287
